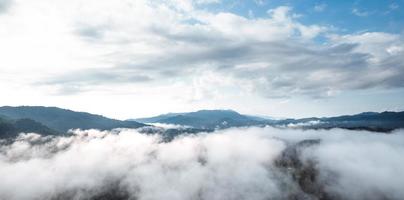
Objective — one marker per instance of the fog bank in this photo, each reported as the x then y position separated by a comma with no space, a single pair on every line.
238,163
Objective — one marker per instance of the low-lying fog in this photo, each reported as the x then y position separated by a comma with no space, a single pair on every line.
244,163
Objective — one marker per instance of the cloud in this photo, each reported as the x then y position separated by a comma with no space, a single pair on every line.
188,168
233,164
83,78
4,5
320,7
393,6
211,44
260,2
208,1
360,13
360,160
170,126
105,45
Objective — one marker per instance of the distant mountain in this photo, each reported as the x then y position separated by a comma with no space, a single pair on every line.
205,119
62,120
52,120
10,128
212,119
156,118
372,121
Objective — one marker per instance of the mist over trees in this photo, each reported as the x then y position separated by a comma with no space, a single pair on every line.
238,163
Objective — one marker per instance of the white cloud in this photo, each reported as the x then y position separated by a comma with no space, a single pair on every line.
4,5
360,13
140,49
147,169
393,6
170,126
376,44
320,7
233,163
260,2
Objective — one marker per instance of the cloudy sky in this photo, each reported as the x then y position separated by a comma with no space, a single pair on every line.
133,58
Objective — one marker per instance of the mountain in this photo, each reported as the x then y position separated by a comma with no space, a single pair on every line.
62,119
205,119
53,120
156,118
372,121
10,128
212,119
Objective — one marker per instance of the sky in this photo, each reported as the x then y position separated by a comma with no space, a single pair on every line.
138,58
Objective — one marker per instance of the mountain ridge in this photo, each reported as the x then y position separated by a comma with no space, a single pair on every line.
10,128
207,119
373,121
54,120
63,119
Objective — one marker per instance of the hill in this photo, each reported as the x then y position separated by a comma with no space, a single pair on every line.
204,119
372,121
156,119
10,128
213,119
62,119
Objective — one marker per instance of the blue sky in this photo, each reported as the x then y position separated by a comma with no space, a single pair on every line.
345,16
137,58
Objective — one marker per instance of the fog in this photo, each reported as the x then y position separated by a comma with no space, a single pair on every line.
240,163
